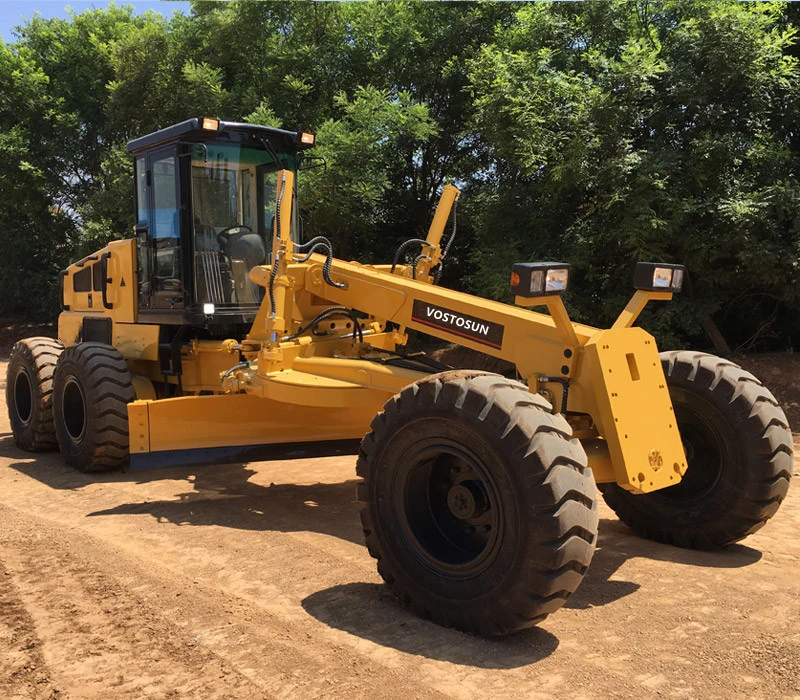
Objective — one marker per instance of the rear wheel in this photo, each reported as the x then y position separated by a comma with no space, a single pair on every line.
92,387
29,392
739,453
479,508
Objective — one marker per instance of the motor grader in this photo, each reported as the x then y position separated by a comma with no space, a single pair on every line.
217,334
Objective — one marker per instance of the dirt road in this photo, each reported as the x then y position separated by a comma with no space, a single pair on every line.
251,581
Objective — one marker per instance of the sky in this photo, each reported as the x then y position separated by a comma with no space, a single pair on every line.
12,11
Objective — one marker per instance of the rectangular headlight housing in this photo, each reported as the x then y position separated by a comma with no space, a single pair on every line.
659,277
539,279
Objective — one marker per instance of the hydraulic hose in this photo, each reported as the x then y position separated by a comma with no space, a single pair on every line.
401,249
274,271
322,243
326,314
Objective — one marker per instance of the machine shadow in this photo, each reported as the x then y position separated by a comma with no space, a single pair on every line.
225,496
221,495
617,544
371,611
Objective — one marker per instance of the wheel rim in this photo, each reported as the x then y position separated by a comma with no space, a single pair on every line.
448,510
706,457
23,397
73,409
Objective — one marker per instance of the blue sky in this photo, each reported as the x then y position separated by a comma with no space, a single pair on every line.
12,11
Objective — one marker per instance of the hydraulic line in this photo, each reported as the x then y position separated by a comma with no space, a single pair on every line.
416,260
450,240
326,314
235,368
320,242
277,235
446,249
401,248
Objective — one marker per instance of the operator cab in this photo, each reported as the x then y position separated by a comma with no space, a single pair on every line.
205,205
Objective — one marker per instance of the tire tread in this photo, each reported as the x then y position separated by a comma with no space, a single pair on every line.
760,420
39,356
108,388
555,467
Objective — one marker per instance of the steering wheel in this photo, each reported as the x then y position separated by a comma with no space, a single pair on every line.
222,235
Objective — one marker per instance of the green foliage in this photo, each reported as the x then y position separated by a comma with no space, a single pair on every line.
376,135
599,133
642,131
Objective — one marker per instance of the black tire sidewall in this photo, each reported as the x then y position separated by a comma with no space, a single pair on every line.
75,452
90,453
547,521
711,504
510,493
37,433
24,431
753,440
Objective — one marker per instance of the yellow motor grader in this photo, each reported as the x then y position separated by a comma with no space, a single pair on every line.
216,334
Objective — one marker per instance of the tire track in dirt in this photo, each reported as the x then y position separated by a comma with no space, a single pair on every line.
102,638
23,671
252,581
304,581
255,555
131,632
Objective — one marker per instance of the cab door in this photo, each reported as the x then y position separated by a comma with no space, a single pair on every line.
158,230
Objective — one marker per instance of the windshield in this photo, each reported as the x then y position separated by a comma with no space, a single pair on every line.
233,206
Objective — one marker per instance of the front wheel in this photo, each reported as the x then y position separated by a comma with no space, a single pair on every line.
479,508
739,453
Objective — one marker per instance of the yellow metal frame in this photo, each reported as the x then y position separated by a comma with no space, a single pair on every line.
311,388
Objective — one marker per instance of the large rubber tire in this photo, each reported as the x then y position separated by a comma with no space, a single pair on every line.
739,451
29,393
92,387
457,452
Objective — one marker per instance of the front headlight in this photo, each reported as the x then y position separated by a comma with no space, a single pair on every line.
539,279
658,277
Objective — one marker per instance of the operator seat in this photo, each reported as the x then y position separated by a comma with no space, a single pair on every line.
245,250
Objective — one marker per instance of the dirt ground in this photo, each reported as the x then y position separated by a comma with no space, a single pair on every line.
251,581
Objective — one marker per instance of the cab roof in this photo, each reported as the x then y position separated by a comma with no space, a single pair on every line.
192,130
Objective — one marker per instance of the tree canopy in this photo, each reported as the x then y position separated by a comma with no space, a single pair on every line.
595,133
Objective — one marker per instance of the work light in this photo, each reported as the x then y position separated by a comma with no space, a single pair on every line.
658,277
539,279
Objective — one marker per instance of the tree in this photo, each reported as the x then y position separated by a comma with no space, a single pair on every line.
35,224
625,131
600,133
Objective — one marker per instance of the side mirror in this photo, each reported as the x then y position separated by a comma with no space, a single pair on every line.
192,145
312,163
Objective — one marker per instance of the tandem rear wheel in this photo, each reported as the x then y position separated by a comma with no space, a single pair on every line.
479,508
29,392
91,389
